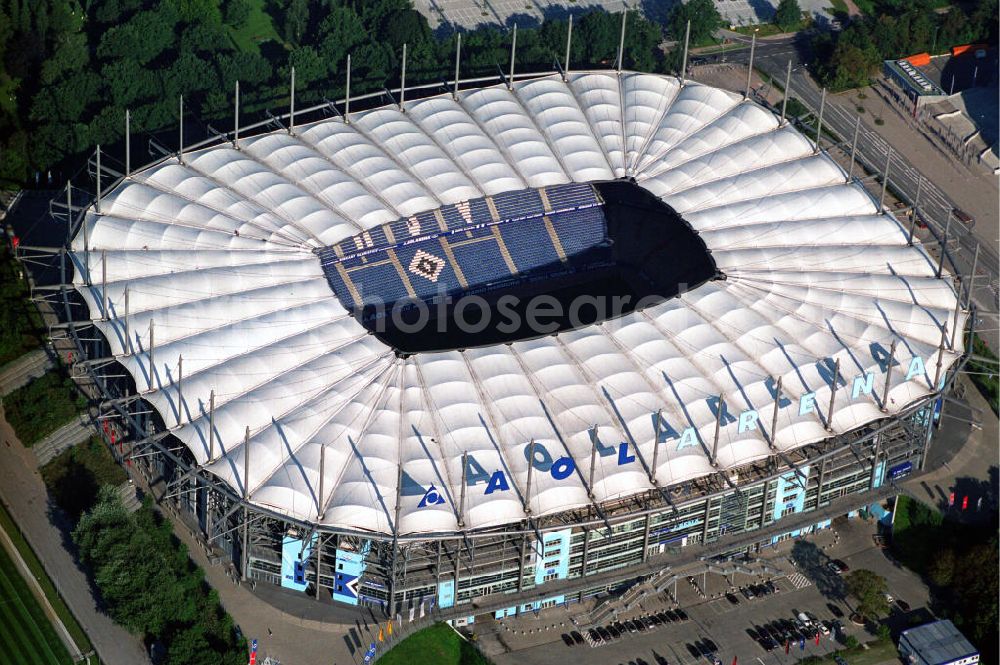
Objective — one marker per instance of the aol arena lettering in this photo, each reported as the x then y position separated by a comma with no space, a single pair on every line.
563,467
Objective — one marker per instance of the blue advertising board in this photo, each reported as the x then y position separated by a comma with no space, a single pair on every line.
900,470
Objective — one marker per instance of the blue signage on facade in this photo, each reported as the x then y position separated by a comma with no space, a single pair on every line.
900,470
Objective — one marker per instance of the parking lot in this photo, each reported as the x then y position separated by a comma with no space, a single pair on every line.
717,626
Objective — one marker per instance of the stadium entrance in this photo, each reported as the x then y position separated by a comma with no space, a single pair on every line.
517,265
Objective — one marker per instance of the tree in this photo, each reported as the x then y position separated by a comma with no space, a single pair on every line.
704,17
237,12
144,37
788,14
850,67
942,567
869,588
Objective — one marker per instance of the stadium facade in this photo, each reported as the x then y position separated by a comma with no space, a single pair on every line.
778,363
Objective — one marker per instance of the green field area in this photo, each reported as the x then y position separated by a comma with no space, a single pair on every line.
437,645
35,566
257,29
26,636
876,653
43,406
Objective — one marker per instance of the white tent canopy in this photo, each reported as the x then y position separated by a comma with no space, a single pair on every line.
217,255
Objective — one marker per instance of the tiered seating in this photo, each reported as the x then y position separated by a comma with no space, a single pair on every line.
515,205
580,230
481,264
574,211
529,243
572,195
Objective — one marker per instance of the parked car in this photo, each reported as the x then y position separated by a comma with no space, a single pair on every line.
879,541
672,615
772,586
889,598
577,637
663,617
731,597
747,593
568,640
605,635
682,614
838,566
615,633
823,627
594,636
902,604
964,217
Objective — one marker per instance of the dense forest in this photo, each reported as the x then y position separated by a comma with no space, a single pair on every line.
70,68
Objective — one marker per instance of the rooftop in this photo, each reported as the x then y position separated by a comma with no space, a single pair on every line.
937,642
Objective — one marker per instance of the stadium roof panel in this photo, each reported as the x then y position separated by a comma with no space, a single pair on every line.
220,255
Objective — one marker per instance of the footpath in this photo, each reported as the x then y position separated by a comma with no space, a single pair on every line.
25,495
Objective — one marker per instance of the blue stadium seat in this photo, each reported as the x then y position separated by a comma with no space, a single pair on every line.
577,220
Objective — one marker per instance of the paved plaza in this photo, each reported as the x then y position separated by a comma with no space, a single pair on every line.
807,585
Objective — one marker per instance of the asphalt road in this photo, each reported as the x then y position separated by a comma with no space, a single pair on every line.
772,57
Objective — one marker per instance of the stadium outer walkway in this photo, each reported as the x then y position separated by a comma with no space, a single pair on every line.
25,495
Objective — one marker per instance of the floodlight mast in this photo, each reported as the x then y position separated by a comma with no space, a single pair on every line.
347,93
684,61
885,181
97,202
854,151
402,83
291,105
774,415
788,90
236,118
753,46
621,42
128,145
569,39
819,123
180,132
458,56
513,50
246,516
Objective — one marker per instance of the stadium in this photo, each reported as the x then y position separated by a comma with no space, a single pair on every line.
300,333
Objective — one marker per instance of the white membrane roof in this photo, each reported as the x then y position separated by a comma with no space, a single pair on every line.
216,255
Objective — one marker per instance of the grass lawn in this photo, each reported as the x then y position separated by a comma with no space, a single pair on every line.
437,645
43,406
985,374
26,636
74,477
55,600
20,325
837,7
878,652
258,28
764,29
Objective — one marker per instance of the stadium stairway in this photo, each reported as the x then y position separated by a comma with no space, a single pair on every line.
76,431
20,372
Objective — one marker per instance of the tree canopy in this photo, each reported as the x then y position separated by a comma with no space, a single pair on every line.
704,17
788,14
69,69
869,588
150,586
